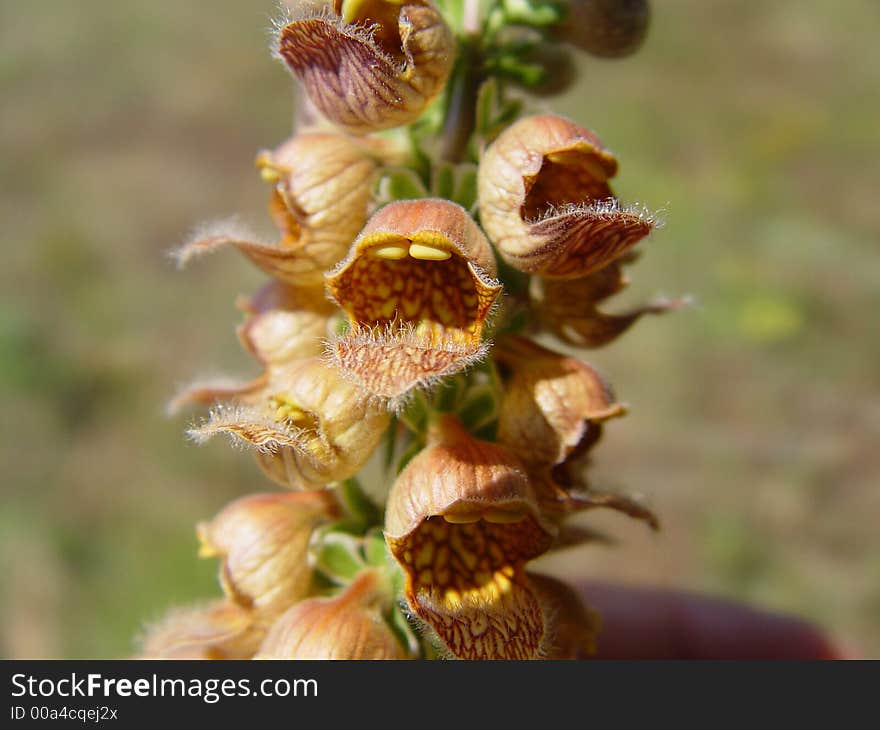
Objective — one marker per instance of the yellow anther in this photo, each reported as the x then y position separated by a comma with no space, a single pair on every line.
428,253
270,174
391,253
502,516
461,518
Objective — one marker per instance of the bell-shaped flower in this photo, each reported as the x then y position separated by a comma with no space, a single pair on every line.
549,401
214,630
462,521
546,204
570,308
283,324
322,186
368,64
417,286
262,541
352,625
606,28
308,425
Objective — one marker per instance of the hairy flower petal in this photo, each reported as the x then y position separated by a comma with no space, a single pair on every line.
348,626
369,65
569,308
462,521
545,200
215,630
417,287
322,187
263,542
549,401
309,426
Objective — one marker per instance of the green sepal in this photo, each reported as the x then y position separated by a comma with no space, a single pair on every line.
361,509
534,13
399,183
337,556
376,550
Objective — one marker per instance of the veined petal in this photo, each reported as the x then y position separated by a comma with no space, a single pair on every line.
215,630
569,308
462,521
370,64
286,323
309,426
573,625
546,204
348,626
263,540
549,401
322,188
417,287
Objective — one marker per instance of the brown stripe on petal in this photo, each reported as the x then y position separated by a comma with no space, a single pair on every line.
467,582
578,240
391,362
365,81
568,308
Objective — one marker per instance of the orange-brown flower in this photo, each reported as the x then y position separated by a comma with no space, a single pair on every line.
549,401
570,308
368,64
263,541
351,625
573,625
283,324
546,204
322,187
308,425
462,521
215,630
417,287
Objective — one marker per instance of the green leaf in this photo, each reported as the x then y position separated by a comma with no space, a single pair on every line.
534,13
358,504
375,549
337,556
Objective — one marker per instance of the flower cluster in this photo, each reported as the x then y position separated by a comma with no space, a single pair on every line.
430,230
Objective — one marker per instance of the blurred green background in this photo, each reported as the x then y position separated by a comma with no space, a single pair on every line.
755,421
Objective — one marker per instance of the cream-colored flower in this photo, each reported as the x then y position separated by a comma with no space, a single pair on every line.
262,541
368,64
322,186
463,521
283,324
215,630
546,204
351,625
417,286
308,425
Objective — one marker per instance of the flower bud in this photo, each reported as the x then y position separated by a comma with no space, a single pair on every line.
546,204
322,187
569,308
309,426
368,64
607,28
417,287
216,630
462,521
285,323
263,542
348,626
549,401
